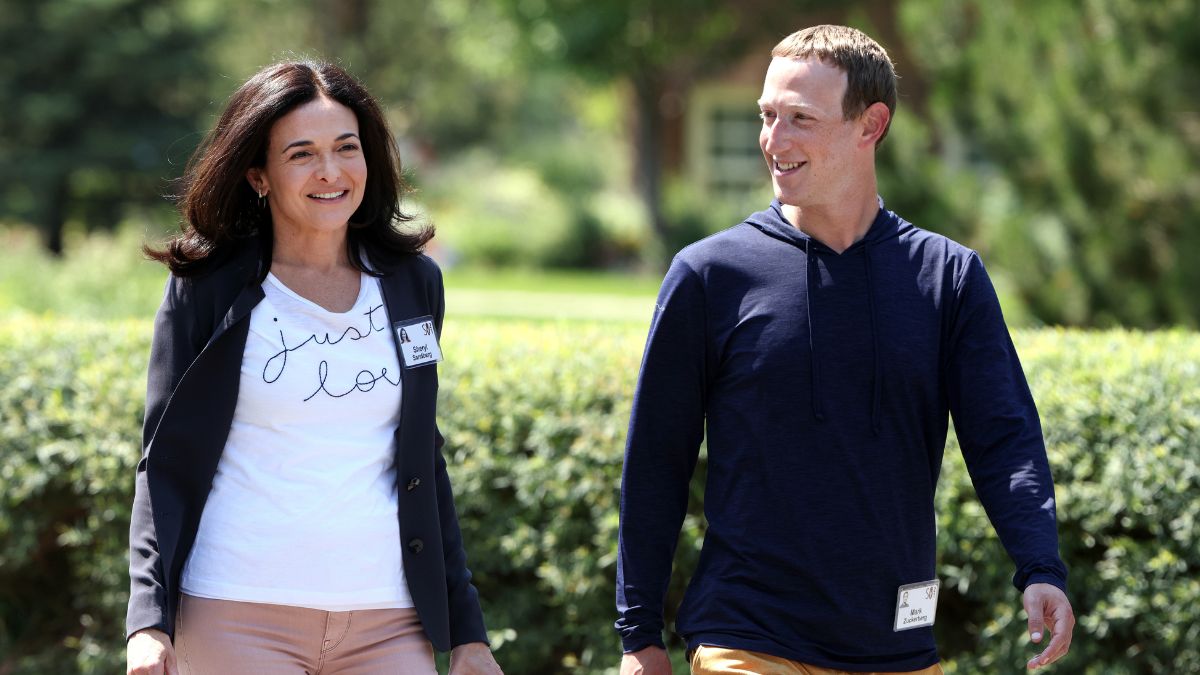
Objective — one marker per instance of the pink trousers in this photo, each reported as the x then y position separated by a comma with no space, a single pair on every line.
220,637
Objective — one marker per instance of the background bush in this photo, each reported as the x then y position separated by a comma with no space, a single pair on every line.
535,415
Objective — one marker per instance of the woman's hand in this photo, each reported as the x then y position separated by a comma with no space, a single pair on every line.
474,658
149,652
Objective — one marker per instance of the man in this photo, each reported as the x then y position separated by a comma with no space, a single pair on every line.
823,342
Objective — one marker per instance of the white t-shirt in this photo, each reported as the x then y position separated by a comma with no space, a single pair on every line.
303,506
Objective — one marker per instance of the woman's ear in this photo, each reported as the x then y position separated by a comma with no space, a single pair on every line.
258,181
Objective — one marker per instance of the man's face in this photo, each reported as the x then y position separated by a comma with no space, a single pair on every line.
807,143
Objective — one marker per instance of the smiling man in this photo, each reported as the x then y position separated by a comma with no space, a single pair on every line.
823,344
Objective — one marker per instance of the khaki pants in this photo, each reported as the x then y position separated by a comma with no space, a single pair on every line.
223,637
721,661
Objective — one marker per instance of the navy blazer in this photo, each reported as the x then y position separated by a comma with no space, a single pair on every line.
195,364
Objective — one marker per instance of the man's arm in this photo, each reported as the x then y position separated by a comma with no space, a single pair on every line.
1001,439
665,430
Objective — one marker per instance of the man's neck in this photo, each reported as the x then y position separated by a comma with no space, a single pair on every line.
838,227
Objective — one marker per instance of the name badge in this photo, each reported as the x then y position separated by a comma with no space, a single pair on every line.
418,342
916,605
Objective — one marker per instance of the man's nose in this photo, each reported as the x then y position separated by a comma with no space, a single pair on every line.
775,137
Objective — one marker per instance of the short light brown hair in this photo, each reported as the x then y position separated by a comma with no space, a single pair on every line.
870,75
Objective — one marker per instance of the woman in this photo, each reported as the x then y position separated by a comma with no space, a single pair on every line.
292,512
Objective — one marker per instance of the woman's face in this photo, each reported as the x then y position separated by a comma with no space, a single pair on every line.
315,171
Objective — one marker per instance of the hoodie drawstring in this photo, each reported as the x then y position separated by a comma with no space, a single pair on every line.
815,381
876,374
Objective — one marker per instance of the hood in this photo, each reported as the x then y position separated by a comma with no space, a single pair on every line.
773,223
886,226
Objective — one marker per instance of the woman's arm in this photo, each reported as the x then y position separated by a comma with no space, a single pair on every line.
174,346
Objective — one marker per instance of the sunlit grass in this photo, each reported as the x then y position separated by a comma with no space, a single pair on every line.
103,276
557,281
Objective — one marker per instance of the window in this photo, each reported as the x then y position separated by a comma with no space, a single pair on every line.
722,141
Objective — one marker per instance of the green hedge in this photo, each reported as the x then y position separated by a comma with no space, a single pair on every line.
535,419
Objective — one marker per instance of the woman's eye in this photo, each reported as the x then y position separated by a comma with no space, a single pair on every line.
300,155
349,147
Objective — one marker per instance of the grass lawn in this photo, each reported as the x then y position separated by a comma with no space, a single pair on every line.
102,276
599,296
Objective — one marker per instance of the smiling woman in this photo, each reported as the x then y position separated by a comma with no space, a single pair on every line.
223,202
312,185
292,389
312,178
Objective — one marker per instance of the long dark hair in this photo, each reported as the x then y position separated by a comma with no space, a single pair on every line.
222,212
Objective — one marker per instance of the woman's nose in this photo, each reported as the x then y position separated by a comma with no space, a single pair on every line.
328,169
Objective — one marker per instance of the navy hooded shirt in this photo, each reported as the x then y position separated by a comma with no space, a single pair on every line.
824,382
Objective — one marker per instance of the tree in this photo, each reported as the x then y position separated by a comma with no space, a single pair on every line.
99,98
1068,148
660,49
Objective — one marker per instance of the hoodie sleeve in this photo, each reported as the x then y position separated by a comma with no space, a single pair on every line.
665,429
1000,433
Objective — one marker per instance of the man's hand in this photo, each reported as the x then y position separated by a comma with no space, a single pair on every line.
648,661
149,652
473,658
1048,609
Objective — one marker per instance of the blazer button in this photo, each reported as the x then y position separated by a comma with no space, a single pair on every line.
416,545
412,484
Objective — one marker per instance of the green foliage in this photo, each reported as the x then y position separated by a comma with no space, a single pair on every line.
534,421
1065,149
534,416
694,217
435,66
517,163
1059,139
98,98
69,413
502,215
1121,416
100,276
657,50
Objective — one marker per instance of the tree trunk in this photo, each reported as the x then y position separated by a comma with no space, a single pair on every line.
648,90
53,214
346,20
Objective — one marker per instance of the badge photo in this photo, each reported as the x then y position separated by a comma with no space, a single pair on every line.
418,342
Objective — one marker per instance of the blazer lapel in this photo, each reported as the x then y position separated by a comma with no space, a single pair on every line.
245,301
405,298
